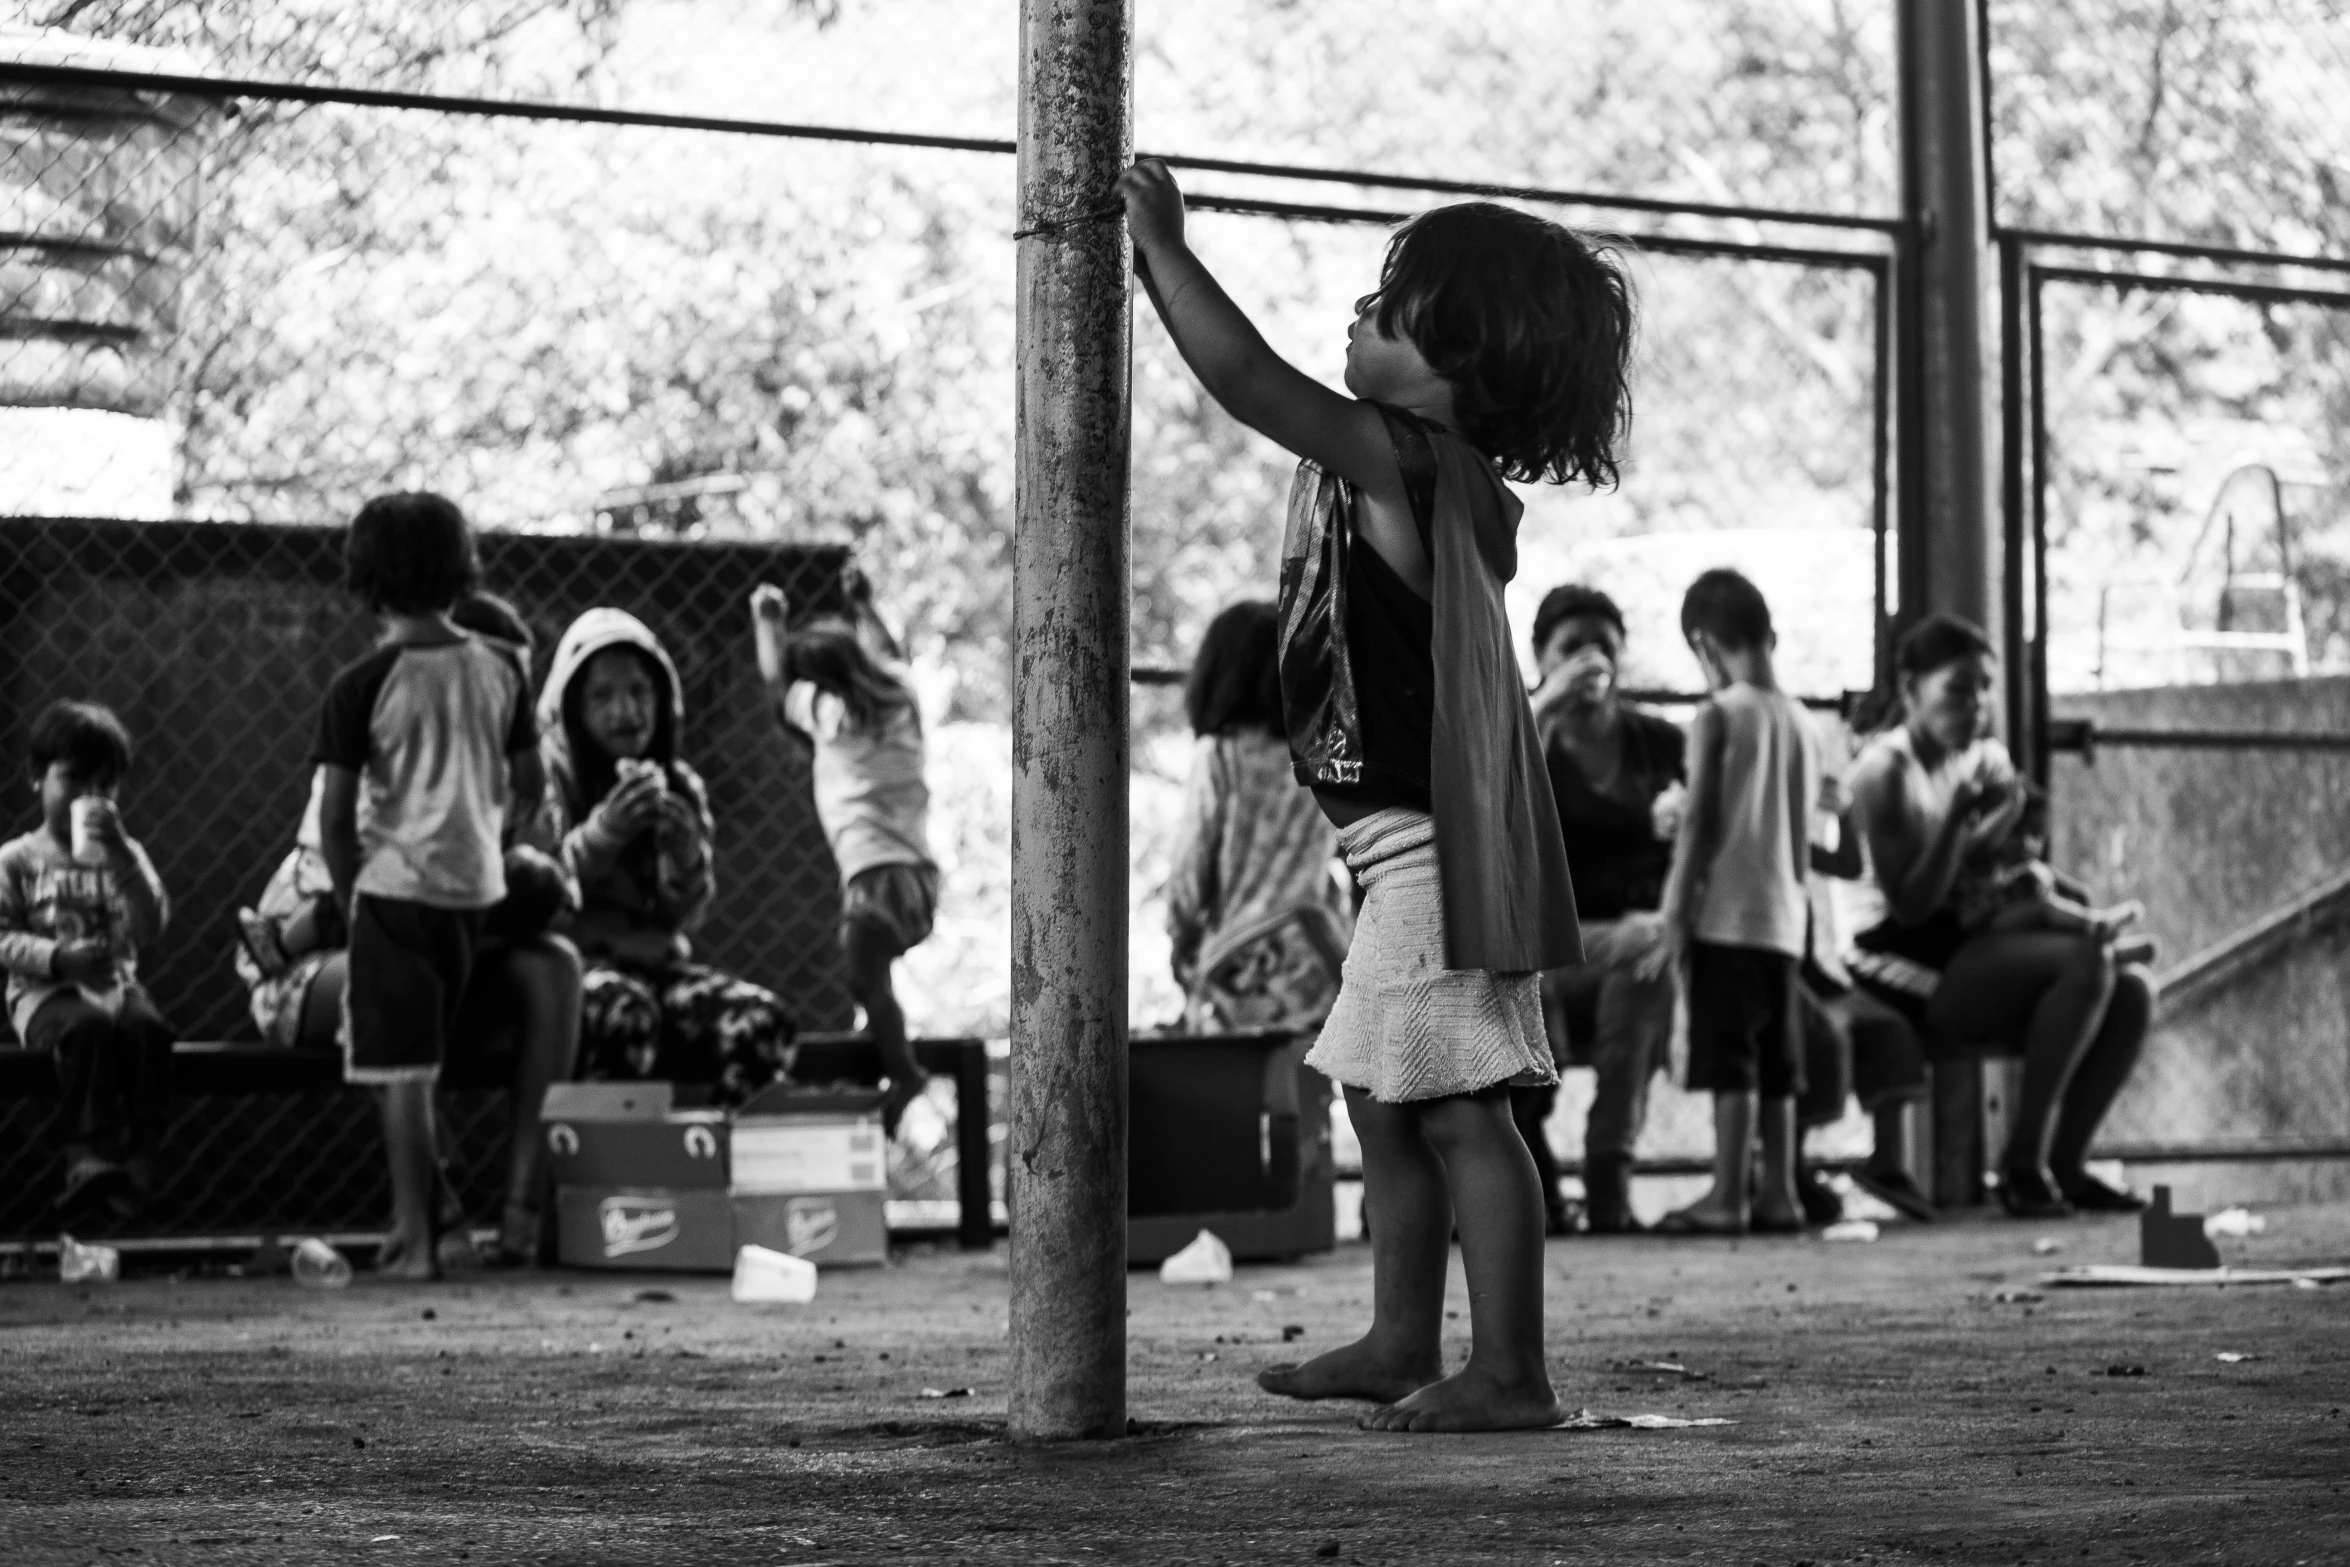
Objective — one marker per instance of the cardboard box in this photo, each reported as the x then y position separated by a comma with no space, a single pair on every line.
642,1184
672,1231
632,1136
783,1142
830,1229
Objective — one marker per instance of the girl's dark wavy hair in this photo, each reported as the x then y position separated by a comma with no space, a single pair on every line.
1235,682
1531,323
834,660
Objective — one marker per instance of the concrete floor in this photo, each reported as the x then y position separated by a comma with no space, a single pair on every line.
1889,1406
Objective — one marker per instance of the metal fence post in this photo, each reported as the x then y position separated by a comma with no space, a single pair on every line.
1069,728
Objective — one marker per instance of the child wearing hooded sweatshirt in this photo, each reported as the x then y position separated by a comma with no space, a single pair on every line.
631,821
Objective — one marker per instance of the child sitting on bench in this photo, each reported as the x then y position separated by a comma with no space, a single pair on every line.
78,898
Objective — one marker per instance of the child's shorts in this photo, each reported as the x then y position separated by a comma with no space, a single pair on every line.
410,964
1745,1031
901,900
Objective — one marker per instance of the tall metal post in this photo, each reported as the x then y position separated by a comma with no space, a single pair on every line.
1950,549
1069,728
1948,545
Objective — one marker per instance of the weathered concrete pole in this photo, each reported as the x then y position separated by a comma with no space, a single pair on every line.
1069,728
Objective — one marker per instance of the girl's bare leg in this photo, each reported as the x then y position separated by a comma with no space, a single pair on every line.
1498,1205
1411,1246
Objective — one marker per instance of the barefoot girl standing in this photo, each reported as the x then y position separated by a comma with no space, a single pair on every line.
1494,348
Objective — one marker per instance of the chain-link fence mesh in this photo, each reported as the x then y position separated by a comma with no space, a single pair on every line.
215,642
2149,119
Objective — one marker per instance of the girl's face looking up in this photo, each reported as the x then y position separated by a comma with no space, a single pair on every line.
617,703
1383,369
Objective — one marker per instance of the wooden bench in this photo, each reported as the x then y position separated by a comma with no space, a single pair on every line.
269,1141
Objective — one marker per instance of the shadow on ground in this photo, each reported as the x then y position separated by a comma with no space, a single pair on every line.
1917,1400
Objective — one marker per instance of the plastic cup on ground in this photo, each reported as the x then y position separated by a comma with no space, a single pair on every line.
80,1264
764,1277
1207,1260
319,1266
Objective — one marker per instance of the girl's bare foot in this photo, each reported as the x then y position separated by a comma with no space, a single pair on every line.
1473,1400
1357,1371
408,1261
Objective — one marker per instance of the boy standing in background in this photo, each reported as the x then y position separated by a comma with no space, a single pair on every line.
1735,908
431,724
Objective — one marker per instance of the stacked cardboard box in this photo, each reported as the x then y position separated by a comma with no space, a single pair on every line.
643,1184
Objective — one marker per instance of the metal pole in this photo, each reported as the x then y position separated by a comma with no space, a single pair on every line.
1069,729
1952,542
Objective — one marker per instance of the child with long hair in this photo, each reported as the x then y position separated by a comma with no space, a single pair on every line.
841,691
1495,347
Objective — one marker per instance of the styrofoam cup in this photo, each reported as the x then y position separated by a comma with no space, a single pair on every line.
88,810
766,1277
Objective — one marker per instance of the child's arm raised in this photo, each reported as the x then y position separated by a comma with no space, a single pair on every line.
1232,359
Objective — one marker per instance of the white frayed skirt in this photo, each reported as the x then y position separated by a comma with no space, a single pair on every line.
1405,1027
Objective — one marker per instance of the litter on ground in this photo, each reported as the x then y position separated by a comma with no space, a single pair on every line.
1585,1420
1206,1260
2234,1224
2113,1274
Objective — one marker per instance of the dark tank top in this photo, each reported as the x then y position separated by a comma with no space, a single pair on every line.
1390,642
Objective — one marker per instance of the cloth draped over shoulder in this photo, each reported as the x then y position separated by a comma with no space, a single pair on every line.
1509,905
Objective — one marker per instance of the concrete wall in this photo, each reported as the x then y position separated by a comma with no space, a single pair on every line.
2213,840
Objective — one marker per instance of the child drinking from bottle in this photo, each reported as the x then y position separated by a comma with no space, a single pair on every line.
1494,348
78,898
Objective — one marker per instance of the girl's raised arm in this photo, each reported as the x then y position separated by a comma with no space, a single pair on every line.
1232,359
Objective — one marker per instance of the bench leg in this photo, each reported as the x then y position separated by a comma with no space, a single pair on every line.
976,1227
1956,1113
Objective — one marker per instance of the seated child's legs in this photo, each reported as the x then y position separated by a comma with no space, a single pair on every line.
723,1030
90,1079
144,1040
114,1070
275,942
619,1024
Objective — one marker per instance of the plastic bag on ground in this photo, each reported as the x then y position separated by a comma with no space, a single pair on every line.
766,1277
80,1264
1206,1260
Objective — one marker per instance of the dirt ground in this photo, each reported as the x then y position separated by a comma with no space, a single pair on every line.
1889,1406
